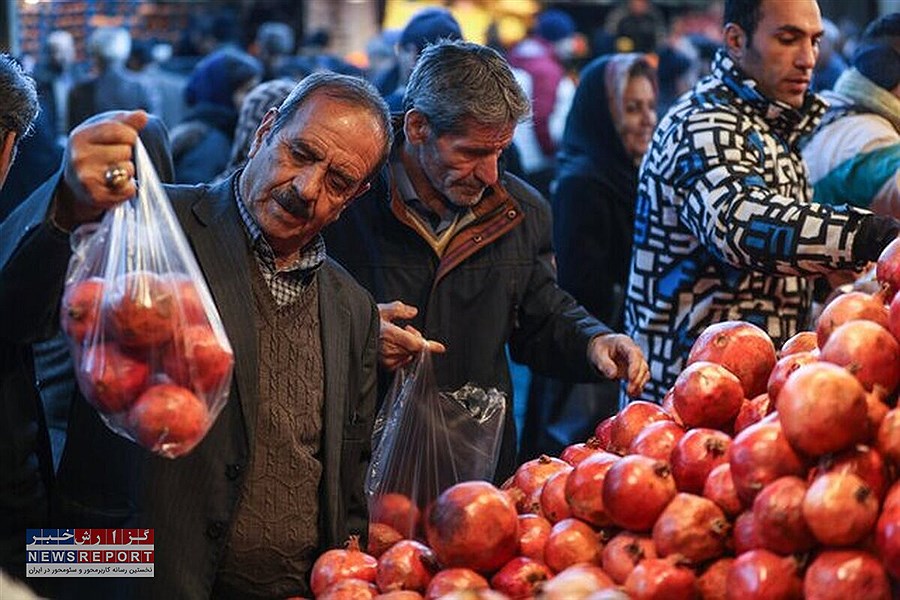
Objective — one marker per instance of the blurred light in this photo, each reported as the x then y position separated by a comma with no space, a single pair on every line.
32,1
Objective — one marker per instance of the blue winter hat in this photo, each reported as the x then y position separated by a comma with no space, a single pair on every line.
428,26
218,75
878,55
554,25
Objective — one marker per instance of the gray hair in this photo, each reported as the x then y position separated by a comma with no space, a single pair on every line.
110,44
18,99
456,81
347,88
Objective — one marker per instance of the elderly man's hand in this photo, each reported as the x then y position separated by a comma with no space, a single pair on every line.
94,152
618,357
398,346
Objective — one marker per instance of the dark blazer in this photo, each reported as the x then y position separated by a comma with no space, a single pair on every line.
106,481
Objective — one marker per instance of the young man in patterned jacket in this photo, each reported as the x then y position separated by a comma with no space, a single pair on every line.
725,226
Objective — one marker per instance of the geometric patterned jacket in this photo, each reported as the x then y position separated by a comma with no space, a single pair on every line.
725,228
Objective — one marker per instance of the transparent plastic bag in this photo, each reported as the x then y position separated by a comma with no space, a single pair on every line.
425,441
149,348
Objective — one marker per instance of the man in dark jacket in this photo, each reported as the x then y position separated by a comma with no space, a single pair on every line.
279,477
462,251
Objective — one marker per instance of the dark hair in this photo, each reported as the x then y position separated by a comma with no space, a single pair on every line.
353,90
18,98
745,13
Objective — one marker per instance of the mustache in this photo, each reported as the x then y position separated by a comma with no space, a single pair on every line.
290,201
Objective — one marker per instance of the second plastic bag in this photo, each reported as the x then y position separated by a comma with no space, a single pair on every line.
425,441
149,348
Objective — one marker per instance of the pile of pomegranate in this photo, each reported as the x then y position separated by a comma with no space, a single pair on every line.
764,474
147,356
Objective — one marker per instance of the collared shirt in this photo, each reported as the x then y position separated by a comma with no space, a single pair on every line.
285,283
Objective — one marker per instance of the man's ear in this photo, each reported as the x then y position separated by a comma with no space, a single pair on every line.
262,131
735,39
416,127
7,154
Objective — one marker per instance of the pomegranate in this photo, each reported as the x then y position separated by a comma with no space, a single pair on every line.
707,395
713,583
142,309
381,537
407,565
485,594
111,380
758,456
887,269
888,439
719,488
473,524
572,541
630,421
742,348
554,505
695,455
81,308
397,511
584,485
693,528
577,581
822,408
668,405
623,552
778,517
196,359
636,490
349,589
337,564
575,453
520,577
657,440
661,579
752,411
602,431
191,305
763,575
784,368
887,535
849,307
894,316
842,574
804,341
745,536
862,461
533,533
400,595
529,478
450,580
169,419
840,509
868,351
876,410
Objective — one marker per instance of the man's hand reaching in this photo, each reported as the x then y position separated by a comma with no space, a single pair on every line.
618,357
398,346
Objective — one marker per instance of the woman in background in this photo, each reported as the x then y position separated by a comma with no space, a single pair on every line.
607,133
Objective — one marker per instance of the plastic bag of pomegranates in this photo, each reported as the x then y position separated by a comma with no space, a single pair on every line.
426,440
149,348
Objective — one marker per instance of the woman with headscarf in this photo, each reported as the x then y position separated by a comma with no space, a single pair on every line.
201,144
607,133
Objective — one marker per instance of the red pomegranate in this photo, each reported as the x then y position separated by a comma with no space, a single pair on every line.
894,316
572,541
763,575
868,351
657,440
804,341
742,348
887,269
862,461
111,380
407,565
636,490
778,517
693,528
396,510
719,488
169,419
695,455
584,485
381,537
554,505
197,359
784,368
744,534
876,411
577,581
822,408
450,580
398,595
842,574
888,439
668,405
191,306
840,509
602,432
630,421
623,553
758,456
713,583
80,308
707,395
337,564
349,589
142,310
529,478
575,453
521,577
474,525
887,535
533,533
753,411
661,579
849,307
